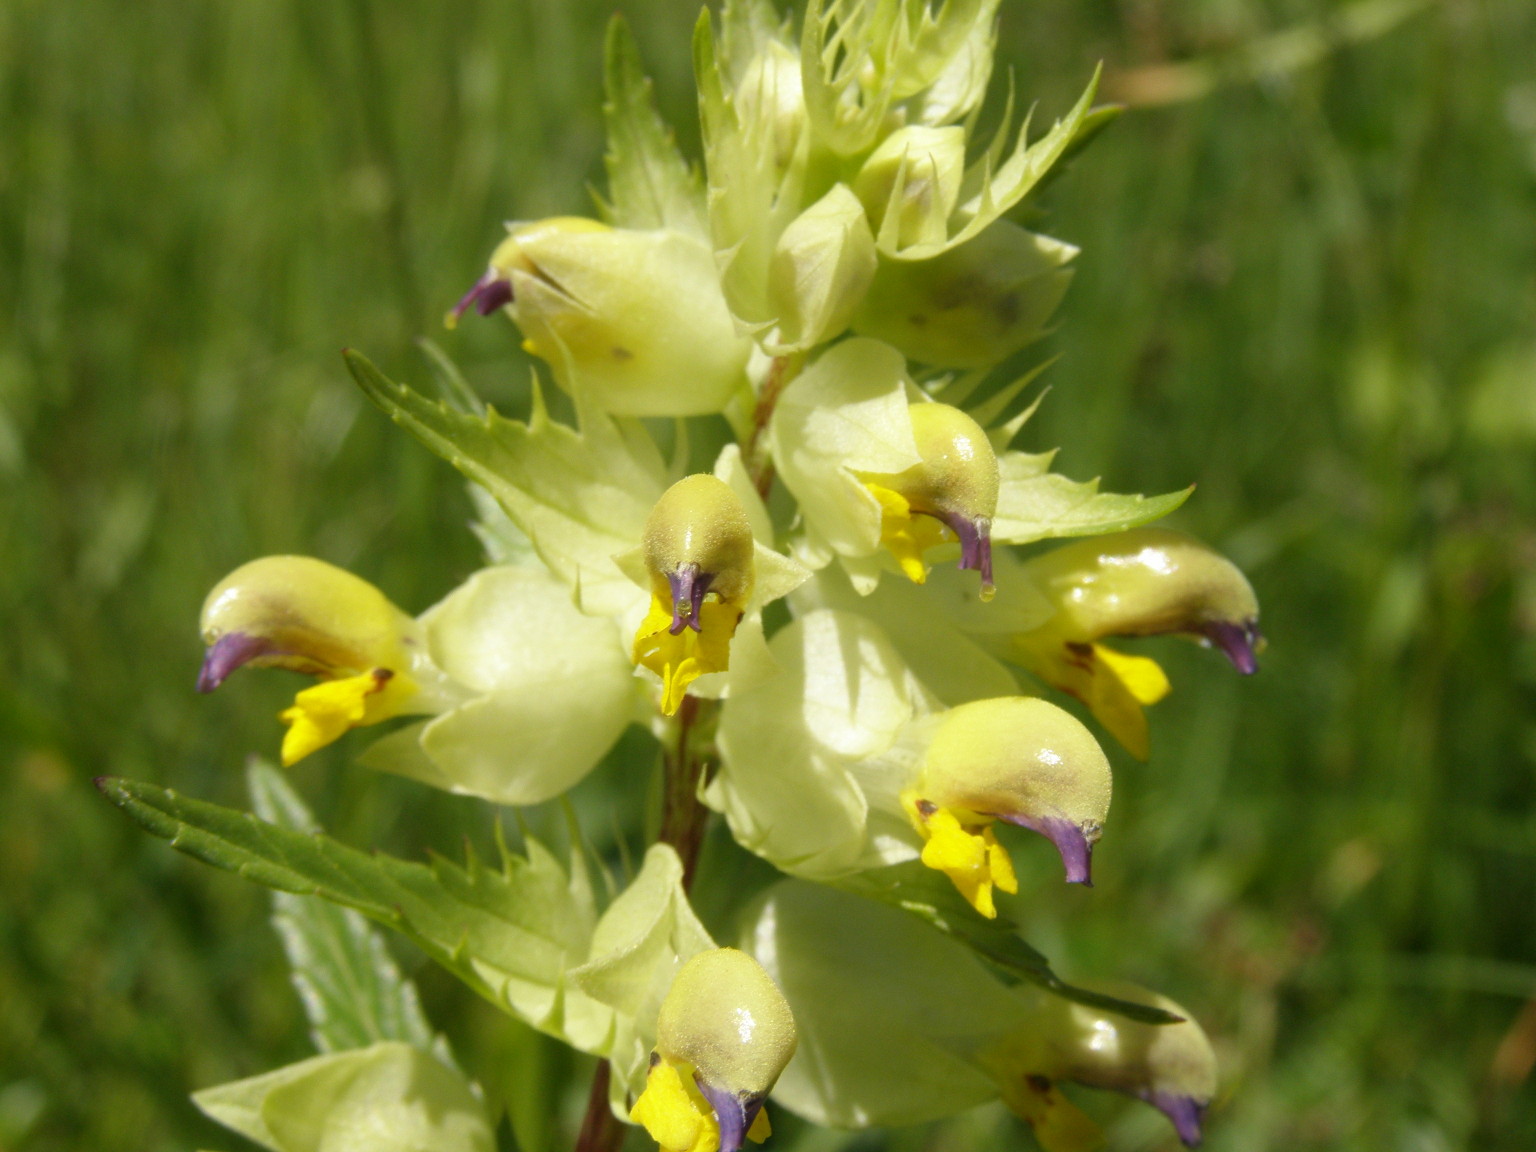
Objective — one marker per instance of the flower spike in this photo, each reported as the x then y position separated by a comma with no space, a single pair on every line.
724,1034
698,551
308,616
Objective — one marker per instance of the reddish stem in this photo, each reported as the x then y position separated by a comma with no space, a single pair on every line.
759,465
601,1130
683,818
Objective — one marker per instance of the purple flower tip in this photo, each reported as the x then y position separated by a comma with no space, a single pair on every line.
488,293
689,587
975,544
1185,1111
1070,840
228,653
734,1111
1240,642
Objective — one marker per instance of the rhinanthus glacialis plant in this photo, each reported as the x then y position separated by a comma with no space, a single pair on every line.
832,630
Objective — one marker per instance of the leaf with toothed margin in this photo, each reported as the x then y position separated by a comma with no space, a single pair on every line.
510,933
1034,503
353,993
649,184
930,896
580,495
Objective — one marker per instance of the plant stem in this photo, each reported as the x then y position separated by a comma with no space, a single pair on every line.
601,1130
683,818
759,465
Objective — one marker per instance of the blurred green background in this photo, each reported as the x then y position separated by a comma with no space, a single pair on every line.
1308,282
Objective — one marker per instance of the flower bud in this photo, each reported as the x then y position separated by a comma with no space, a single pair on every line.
972,306
724,1034
1170,1066
698,550
954,488
308,616
1017,759
822,265
770,98
635,319
1146,582
910,185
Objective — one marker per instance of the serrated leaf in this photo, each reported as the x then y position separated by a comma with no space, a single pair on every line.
509,933
1034,503
991,188
928,895
649,183
353,993
580,495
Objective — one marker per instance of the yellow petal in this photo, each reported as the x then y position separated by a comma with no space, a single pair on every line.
968,853
678,1119
1142,676
760,1129
681,659
905,534
1059,1124
322,714
1000,864
1114,685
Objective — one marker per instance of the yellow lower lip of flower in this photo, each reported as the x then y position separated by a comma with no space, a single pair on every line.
324,713
1059,1124
905,534
1116,686
682,658
964,848
678,1117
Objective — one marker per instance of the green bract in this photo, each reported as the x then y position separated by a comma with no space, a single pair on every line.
824,625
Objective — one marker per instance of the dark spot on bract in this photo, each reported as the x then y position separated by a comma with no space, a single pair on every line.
622,353
1037,1083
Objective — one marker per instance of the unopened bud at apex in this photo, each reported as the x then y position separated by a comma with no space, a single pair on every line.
770,100
698,551
1016,759
724,1035
972,306
954,488
633,318
910,185
305,615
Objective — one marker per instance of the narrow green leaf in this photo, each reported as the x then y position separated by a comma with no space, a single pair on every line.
929,896
352,991
1034,503
649,183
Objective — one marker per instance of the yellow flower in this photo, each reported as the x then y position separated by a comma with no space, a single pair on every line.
1146,582
723,1036
950,495
1016,759
698,551
308,616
